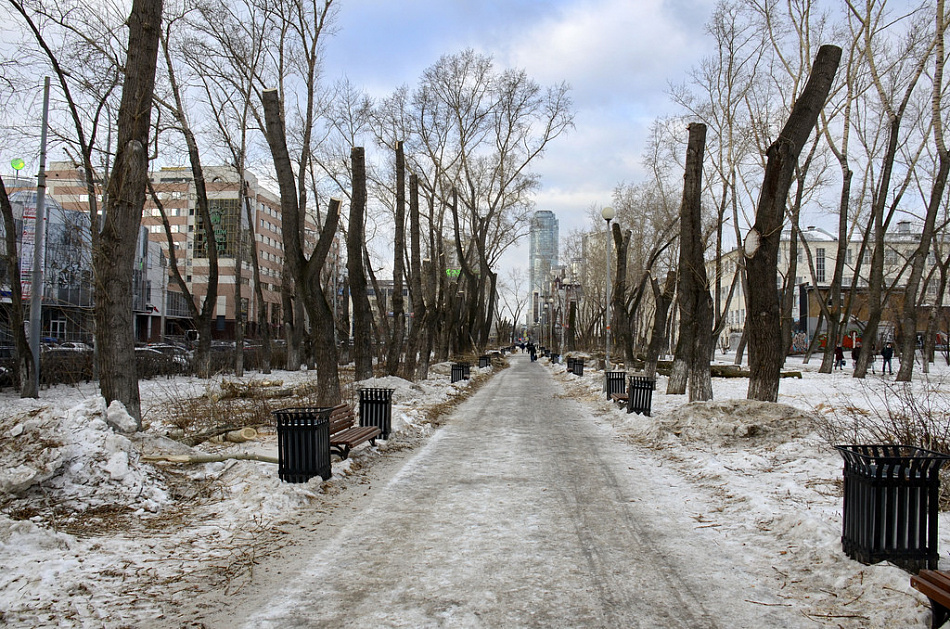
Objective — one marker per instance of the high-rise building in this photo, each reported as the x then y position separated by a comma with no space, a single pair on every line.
542,253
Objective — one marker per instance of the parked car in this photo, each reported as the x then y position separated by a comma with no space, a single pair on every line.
179,354
75,346
151,362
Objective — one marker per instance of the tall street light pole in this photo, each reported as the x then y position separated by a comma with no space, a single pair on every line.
608,214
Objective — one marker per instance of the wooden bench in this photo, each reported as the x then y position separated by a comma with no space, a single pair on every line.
620,398
345,434
935,585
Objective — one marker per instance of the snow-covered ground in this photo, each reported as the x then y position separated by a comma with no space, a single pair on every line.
94,535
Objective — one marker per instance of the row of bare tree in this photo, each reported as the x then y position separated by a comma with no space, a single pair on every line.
773,147
242,84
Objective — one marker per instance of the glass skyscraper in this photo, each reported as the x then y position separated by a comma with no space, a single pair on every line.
542,252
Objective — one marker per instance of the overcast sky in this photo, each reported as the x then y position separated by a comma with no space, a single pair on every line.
618,56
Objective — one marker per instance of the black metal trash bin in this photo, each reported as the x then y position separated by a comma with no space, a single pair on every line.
376,409
484,361
461,371
570,364
555,358
890,504
303,443
640,395
578,366
616,382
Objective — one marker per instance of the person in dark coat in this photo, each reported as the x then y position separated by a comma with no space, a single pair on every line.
839,358
886,355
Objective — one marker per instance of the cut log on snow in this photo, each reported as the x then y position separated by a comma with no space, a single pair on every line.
208,458
240,436
236,436
206,434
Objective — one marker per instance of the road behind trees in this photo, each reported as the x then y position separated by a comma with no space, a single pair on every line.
522,511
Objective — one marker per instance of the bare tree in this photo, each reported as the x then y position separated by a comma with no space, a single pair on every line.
887,77
362,316
766,352
659,336
113,257
305,272
225,54
419,312
202,315
481,131
399,250
937,188
694,345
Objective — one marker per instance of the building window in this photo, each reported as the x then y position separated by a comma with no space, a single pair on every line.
820,265
847,256
891,257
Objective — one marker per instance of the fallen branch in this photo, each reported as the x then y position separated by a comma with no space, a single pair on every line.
209,458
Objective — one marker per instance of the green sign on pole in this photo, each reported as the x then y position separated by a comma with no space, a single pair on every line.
17,163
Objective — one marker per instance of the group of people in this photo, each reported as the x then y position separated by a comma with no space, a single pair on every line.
531,349
887,353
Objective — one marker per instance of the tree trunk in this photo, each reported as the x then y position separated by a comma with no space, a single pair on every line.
415,282
291,289
695,299
362,314
323,341
766,354
113,258
263,323
658,336
399,251
620,317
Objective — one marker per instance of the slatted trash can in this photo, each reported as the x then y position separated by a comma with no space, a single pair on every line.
376,409
303,443
578,366
616,382
570,364
483,362
640,395
555,358
890,504
461,371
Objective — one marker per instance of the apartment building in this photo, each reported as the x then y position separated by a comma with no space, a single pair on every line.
232,229
816,257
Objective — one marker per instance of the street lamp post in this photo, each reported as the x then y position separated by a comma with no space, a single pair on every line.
551,322
608,214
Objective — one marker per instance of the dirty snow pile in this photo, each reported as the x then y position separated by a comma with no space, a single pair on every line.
94,534
79,459
772,483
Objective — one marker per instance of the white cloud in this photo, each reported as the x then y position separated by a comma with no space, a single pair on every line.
610,50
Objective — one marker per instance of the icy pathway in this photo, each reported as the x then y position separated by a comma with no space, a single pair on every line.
523,511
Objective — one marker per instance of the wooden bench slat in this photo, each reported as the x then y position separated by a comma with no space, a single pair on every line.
355,435
935,585
936,577
344,434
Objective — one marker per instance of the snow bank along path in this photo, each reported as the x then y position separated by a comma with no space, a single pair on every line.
522,511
